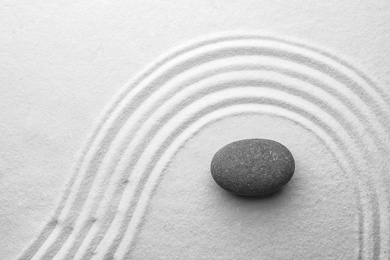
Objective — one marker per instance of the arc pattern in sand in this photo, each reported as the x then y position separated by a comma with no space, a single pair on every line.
190,88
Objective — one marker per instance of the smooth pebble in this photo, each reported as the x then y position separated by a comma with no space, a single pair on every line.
252,167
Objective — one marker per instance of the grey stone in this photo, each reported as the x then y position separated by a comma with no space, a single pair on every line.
252,167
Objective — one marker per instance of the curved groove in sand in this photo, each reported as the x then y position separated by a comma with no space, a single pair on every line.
141,138
240,95
134,219
186,97
135,138
183,97
65,234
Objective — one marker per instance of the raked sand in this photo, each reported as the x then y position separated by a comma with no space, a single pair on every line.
141,188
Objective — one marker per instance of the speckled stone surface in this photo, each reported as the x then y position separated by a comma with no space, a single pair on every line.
253,167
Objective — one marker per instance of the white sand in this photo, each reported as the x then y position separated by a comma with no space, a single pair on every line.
141,186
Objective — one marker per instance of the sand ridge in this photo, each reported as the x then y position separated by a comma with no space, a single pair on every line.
193,86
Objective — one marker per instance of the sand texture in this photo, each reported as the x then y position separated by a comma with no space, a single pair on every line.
111,112
187,91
